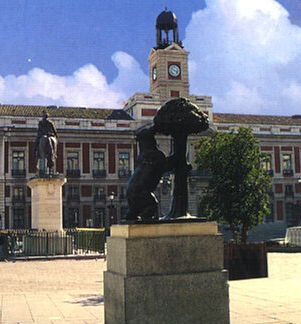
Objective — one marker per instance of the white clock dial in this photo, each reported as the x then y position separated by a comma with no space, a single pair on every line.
174,70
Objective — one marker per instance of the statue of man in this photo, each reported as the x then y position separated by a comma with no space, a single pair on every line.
46,144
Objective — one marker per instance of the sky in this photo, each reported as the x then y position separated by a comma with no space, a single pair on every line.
246,54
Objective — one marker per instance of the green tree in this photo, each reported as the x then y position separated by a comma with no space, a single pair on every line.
237,193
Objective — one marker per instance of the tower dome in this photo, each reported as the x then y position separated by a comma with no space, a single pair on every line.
167,22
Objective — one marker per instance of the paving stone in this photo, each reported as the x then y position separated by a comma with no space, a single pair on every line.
76,286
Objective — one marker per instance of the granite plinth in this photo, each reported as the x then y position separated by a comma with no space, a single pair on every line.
174,275
47,203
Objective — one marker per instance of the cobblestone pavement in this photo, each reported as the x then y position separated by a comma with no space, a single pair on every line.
70,291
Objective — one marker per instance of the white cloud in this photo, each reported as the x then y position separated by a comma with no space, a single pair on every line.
247,55
87,86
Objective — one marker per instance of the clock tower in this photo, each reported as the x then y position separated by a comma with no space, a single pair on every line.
168,69
168,73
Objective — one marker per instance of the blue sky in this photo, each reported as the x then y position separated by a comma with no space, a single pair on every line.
244,53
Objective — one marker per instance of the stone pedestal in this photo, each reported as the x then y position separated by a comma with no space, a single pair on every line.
47,203
166,274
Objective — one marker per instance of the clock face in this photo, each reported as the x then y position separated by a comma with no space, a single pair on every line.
174,70
154,74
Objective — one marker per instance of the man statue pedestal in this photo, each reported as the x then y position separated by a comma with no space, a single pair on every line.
166,273
47,203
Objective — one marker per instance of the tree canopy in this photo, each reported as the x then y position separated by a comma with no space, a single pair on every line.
238,187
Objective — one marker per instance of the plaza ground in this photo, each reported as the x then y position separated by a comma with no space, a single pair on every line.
70,291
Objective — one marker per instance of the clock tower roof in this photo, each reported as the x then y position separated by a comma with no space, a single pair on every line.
167,29
167,20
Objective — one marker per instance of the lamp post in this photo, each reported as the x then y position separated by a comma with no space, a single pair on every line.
111,207
75,218
6,135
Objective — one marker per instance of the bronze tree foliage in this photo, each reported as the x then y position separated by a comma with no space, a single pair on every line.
180,118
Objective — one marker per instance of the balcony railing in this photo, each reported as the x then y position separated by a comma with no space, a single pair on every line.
288,173
18,198
73,173
99,197
73,197
124,173
18,173
99,173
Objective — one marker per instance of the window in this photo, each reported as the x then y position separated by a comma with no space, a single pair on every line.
72,218
73,193
99,194
123,212
266,162
287,162
289,191
72,160
122,194
73,164
287,166
99,164
18,218
124,164
18,163
174,93
18,194
99,217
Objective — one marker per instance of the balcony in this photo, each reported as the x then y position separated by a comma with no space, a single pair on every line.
18,198
99,173
18,173
99,197
73,197
73,173
288,173
124,173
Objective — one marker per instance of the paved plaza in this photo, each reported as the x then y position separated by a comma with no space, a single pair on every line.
70,291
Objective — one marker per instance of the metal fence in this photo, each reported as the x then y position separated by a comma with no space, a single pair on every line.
20,243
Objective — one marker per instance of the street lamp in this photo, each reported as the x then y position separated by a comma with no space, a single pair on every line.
110,219
111,198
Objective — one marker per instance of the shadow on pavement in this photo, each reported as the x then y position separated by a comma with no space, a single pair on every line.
90,301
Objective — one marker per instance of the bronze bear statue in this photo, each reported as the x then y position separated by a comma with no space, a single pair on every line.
151,165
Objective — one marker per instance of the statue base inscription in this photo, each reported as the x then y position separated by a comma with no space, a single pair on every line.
47,203
166,273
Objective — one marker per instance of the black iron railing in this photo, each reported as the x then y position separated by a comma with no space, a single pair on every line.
18,173
99,173
73,197
99,197
73,173
20,243
123,173
288,173
18,198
